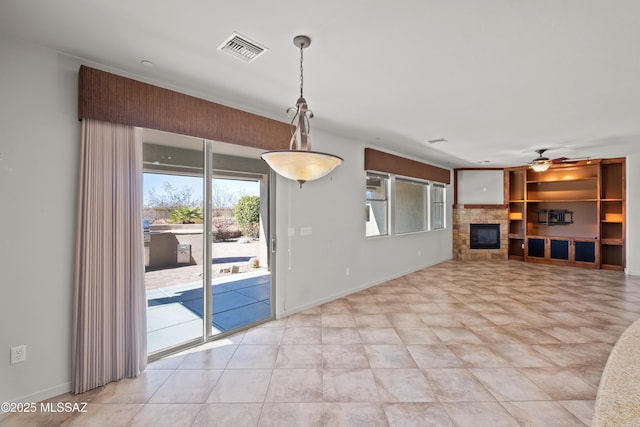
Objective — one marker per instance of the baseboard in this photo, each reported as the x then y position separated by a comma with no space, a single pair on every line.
45,394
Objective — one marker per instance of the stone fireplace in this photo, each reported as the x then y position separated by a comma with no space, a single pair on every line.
464,217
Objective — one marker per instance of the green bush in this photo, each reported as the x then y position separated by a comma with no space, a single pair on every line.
247,215
185,215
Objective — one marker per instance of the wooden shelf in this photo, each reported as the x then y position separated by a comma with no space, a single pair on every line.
590,179
612,242
594,236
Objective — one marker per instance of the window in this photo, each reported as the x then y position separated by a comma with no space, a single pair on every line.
437,207
377,206
411,206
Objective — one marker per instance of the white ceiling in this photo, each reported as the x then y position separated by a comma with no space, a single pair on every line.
497,79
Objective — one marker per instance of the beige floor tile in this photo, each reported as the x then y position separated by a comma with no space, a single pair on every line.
229,414
561,384
403,385
406,320
532,335
348,356
446,320
169,362
241,386
417,415
581,409
434,356
542,414
480,414
292,414
212,358
102,414
295,385
340,320
187,386
474,355
340,336
508,384
304,320
567,355
456,336
335,307
456,385
366,308
349,385
388,356
372,321
495,335
299,356
430,308
254,357
40,418
302,336
271,336
180,414
354,415
380,336
522,355
418,336
130,390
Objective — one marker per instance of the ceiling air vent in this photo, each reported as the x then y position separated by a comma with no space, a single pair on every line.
242,48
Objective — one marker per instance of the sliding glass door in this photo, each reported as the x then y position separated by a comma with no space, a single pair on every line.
206,234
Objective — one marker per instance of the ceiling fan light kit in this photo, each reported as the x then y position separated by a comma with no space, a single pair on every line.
299,163
541,163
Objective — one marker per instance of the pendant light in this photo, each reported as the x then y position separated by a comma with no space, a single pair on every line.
299,163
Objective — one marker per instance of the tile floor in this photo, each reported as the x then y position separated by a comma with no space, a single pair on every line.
458,344
174,313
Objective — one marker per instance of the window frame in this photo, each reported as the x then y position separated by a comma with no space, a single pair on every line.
431,203
441,206
426,190
386,201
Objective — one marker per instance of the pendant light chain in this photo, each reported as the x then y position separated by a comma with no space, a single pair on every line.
301,70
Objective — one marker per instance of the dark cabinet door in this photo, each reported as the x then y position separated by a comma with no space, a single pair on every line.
535,247
585,251
559,249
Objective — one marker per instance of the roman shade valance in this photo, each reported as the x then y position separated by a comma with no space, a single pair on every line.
116,99
380,161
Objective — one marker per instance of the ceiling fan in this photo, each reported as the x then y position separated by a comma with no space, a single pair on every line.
542,163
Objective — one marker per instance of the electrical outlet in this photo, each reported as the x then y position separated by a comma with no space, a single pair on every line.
18,354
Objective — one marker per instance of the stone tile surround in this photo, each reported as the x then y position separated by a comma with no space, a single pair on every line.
463,217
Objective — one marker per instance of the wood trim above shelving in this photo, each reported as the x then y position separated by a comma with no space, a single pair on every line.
470,206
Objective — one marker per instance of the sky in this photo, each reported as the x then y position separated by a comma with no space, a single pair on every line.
236,187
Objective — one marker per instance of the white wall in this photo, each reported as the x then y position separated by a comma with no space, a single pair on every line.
480,187
313,268
39,152
632,214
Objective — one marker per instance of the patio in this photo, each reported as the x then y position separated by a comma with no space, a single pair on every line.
175,300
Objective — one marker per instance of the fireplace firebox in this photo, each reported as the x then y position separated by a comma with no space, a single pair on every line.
484,236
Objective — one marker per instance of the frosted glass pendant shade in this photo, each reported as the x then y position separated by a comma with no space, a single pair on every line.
301,165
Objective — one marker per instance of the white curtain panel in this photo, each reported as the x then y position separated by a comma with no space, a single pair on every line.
109,319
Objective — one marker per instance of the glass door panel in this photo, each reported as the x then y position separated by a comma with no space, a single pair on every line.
240,277
174,243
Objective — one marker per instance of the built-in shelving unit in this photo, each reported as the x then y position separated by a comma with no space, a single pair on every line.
570,214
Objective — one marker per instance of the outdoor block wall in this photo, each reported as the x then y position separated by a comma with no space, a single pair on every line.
463,217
